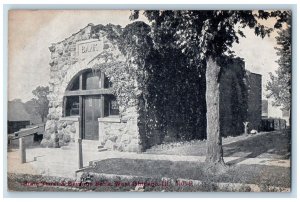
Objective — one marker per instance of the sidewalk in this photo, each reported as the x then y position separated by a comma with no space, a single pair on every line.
64,163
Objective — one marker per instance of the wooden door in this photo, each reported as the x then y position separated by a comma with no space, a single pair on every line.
92,111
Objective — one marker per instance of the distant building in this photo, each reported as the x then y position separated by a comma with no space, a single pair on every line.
254,100
272,119
240,99
270,124
286,116
264,108
17,117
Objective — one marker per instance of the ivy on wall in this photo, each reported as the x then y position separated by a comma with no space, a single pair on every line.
168,93
154,82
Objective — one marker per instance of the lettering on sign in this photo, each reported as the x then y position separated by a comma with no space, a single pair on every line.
89,49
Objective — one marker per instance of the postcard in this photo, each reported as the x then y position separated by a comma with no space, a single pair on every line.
149,100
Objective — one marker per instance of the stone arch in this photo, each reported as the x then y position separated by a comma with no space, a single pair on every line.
67,63
73,71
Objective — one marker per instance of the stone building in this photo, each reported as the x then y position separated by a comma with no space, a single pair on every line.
102,92
240,99
81,99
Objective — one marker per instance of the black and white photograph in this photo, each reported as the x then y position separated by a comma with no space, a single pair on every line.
149,100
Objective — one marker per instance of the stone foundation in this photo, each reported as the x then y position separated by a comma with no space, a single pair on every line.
115,134
68,130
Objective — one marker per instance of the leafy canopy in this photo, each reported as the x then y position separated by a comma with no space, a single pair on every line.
41,101
279,86
202,33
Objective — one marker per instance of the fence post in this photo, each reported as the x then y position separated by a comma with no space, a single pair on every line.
246,127
22,149
80,160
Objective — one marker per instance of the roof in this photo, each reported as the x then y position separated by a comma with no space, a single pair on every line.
252,73
17,111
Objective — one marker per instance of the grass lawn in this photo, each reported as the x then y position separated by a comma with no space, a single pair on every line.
275,145
246,174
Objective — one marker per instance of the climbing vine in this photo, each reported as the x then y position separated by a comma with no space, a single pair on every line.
169,97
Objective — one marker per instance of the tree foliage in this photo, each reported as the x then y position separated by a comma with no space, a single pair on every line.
200,34
41,101
279,86
168,62
207,37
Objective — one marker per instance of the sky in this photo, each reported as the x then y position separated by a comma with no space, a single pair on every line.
31,32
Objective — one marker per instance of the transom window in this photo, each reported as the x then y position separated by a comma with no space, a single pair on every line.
83,92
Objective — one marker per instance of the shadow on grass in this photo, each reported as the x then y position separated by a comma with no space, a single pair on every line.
249,174
275,145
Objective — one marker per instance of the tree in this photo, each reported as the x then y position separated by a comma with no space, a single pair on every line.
206,37
31,108
279,86
41,101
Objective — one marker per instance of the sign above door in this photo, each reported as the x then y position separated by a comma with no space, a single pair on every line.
87,50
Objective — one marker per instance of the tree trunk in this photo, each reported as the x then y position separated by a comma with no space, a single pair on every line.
214,140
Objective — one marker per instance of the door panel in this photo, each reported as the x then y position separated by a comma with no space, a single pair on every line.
92,111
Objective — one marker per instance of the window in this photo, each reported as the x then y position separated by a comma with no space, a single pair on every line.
72,106
82,87
111,106
91,80
75,84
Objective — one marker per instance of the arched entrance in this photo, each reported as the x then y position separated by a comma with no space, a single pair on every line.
89,95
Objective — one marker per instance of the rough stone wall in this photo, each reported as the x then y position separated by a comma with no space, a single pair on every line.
119,135
130,138
68,130
64,66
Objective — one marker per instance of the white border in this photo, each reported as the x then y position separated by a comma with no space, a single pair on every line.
146,4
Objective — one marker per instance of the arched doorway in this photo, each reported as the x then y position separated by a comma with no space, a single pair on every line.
90,96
